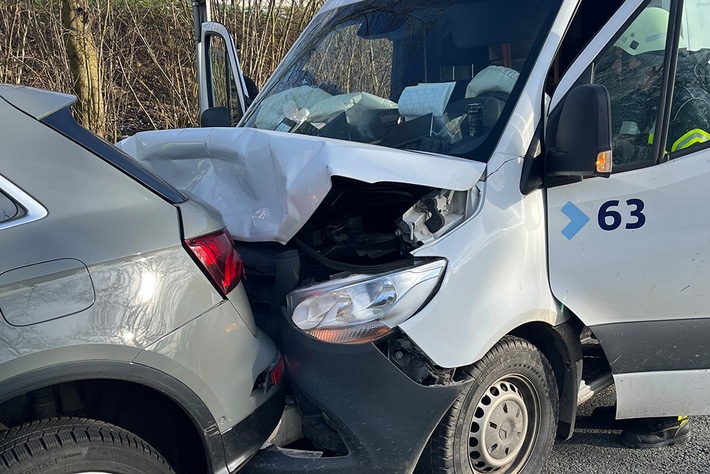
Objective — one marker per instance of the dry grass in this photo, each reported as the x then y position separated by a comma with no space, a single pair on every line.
146,52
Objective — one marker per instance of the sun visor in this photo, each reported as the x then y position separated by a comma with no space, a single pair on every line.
268,184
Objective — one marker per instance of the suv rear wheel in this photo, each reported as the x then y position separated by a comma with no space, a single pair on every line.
76,445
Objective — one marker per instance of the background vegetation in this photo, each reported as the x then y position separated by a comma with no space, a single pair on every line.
145,52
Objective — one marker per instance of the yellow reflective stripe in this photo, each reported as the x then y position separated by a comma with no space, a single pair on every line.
650,138
692,137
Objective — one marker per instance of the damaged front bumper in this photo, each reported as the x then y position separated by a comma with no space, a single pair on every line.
383,418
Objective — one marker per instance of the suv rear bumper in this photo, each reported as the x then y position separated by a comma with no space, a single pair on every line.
246,437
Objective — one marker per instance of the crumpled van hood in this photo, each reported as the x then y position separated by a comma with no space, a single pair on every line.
268,184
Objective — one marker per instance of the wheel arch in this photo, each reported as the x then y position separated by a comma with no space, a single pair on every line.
561,346
156,396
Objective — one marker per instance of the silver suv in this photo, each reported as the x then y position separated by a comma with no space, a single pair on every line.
127,344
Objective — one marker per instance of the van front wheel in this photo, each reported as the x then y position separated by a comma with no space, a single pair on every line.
505,422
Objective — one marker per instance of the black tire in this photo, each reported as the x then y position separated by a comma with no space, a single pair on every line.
513,391
61,445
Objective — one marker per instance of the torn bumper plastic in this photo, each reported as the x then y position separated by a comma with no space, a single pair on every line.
384,418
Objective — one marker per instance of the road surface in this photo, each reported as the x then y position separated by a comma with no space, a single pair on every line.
596,449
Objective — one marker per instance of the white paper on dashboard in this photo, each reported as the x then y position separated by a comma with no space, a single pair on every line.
424,99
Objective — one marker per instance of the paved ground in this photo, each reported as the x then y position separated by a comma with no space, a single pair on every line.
595,449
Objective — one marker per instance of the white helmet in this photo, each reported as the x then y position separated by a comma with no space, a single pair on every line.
647,33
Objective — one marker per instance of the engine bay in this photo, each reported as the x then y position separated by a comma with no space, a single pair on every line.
358,228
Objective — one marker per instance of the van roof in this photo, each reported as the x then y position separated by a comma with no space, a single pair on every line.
333,4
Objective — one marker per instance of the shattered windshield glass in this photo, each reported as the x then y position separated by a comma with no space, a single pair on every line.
430,76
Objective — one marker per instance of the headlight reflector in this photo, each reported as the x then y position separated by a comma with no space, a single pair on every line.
360,308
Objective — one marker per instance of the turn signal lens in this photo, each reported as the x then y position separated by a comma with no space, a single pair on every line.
217,255
356,334
604,162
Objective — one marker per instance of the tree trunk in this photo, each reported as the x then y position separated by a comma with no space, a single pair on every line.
83,60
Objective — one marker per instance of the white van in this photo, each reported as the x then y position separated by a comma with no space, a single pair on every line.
461,218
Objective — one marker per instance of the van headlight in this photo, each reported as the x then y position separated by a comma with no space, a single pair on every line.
361,308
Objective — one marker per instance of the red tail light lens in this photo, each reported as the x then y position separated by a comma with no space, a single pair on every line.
218,256
270,377
278,372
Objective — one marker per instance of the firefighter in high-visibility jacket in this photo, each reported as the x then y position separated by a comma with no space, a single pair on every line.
690,109
632,72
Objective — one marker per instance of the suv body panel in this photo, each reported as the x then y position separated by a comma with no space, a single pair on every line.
144,299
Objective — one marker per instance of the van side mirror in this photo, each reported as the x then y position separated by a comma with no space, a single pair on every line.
216,117
579,134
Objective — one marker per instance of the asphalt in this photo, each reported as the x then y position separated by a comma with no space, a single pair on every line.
595,448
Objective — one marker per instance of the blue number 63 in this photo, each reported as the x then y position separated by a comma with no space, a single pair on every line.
610,219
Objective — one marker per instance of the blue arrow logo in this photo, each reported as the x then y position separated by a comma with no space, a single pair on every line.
577,220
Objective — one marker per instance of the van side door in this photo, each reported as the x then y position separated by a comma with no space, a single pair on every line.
630,254
223,96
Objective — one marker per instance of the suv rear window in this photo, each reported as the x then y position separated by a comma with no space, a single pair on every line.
63,122
9,209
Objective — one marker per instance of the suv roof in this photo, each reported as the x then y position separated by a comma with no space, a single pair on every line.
53,109
35,102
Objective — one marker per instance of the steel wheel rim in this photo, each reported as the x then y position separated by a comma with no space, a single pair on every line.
504,426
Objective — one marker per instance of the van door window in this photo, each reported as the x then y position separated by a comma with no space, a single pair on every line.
591,16
689,127
222,86
631,68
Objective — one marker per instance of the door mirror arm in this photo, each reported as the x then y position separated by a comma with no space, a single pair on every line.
216,117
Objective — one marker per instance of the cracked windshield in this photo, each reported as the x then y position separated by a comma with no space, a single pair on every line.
430,76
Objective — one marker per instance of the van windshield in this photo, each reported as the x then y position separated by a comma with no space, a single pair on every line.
436,76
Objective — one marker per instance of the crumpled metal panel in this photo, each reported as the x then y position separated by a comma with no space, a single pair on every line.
268,184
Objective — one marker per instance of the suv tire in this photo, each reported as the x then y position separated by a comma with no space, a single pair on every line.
55,445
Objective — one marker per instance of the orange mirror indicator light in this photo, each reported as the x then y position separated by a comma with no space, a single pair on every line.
604,162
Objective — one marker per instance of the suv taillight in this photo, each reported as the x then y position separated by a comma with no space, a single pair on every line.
270,377
218,256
